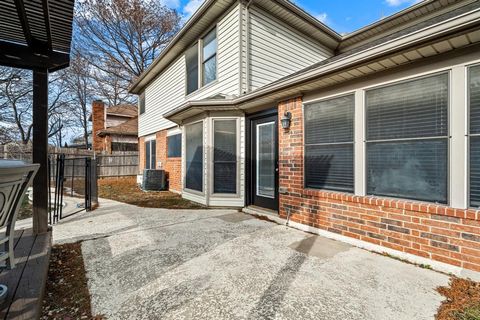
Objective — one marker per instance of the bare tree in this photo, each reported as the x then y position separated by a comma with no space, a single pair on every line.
16,101
78,81
122,38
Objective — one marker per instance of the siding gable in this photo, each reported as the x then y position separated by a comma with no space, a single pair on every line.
276,50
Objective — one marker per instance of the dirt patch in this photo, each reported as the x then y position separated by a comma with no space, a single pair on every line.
66,293
463,300
126,190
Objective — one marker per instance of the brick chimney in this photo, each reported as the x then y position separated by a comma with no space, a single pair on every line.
98,123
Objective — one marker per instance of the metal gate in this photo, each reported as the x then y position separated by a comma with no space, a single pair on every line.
73,186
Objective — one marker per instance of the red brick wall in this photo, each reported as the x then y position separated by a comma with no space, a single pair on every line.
427,230
172,166
98,123
141,154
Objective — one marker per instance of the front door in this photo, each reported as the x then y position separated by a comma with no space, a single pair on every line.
264,161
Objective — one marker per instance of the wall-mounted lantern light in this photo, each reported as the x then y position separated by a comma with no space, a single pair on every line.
286,120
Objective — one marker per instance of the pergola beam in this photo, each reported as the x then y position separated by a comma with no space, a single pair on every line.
19,56
22,17
48,29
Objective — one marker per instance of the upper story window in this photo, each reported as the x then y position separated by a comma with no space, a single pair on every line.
191,58
474,106
209,57
329,144
407,139
201,62
141,103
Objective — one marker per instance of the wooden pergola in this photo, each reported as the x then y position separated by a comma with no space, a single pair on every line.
37,35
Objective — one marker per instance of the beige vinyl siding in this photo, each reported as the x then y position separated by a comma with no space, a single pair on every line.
168,90
165,93
276,50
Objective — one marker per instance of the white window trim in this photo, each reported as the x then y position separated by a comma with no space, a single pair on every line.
210,174
459,150
148,139
184,160
359,152
467,130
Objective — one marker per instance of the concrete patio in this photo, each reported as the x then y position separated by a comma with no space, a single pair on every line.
221,264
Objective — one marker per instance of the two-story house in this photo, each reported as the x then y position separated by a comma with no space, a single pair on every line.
368,138
114,129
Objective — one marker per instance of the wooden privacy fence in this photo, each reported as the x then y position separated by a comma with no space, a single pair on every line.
118,164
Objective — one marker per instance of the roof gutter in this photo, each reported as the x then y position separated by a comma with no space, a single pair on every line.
136,86
452,25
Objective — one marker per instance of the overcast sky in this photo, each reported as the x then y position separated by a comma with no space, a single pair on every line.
343,16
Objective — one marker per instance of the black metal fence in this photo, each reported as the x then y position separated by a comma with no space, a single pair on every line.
75,178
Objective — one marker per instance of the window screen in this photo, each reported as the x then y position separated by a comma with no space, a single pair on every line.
191,57
474,103
174,144
194,156
329,144
407,139
209,63
225,156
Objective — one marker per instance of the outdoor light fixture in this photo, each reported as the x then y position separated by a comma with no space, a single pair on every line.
286,119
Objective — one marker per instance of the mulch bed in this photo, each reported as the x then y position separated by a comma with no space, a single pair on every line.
66,293
462,300
126,190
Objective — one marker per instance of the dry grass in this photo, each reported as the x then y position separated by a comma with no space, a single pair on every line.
462,300
66,294
126,190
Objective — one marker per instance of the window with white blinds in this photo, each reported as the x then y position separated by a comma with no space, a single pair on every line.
329,135
474,104
225,156
407,139
194,156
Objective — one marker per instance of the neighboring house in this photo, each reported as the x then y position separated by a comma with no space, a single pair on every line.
369,138
114,128
79,142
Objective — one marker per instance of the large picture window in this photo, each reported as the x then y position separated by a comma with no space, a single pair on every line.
225,156
174,146
194,156
329,144
209,57
150,154
474,104
407,139
191,58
